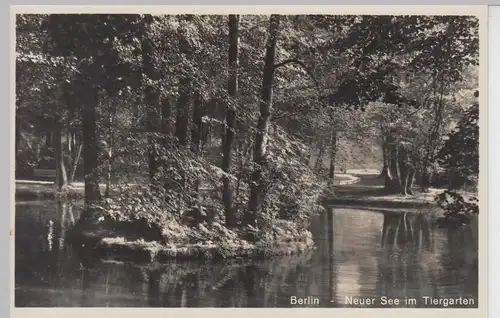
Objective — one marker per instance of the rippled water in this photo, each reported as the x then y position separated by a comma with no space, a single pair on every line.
361,254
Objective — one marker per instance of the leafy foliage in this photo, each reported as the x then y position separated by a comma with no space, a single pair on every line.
154,91
458,211
461,149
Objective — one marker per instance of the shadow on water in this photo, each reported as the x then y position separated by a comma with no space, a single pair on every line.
359,254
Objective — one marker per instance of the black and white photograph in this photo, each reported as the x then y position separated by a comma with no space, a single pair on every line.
247,160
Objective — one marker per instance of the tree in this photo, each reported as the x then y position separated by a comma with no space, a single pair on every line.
259,155
151,72
230,123
434,48
96,42
460,152
40,78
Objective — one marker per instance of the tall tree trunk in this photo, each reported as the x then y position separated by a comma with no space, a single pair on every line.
411,180
197,124
196,132
385,173
210,108
48,137
232,88
90,145
434,136
393,177
259,156
75,165
109,150
407,163
333,155
152,101
166,113
321,154
182,115
61,174
403,170
186,96
425,179
152,104
182,119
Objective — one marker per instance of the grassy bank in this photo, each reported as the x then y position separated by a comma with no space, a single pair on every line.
33,190
370,192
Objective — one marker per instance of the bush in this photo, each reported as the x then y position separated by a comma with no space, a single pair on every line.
26,161
458,211
174,210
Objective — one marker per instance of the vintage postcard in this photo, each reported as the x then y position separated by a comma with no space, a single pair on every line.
326,158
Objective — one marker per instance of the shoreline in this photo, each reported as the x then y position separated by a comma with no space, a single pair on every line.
98,243
139,251
32,189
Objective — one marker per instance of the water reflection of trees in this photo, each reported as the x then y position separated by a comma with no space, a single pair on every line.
406,264
459,262
42,258
394,255
419,260
230,284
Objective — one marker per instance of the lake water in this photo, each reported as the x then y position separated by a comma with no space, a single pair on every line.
360,254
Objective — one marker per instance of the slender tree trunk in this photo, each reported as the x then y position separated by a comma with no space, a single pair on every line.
185,98
207,125
196,133
109,170
61,174
259,157
425,179
90,145
232,87
403,169
182,122
48,137
166,113
411,180
385,173
241,162
182,116
197,124
69,144
319,160
333,155
109,151
433,139
393,177
152,101
75,165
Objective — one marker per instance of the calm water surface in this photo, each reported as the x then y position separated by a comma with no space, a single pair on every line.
360,254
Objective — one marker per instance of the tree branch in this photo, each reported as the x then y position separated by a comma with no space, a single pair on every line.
304,67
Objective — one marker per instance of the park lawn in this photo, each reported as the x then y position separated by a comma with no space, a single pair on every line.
30,189
369,191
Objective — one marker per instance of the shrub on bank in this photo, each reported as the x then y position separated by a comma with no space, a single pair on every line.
458,211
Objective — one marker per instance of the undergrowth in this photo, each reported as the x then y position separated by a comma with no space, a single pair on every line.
181,212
